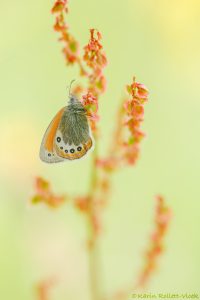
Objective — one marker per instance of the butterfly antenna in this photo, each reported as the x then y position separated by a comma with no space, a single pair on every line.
69,87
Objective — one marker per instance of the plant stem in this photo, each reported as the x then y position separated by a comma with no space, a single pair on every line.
92,236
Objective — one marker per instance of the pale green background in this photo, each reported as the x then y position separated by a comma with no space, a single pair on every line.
158,41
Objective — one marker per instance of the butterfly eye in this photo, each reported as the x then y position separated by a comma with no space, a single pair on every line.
58,139
72,150
79,148
66,151
81,111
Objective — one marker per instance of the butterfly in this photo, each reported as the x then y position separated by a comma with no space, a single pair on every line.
68,136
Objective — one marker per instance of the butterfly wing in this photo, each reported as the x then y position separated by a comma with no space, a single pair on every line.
47,152
73,139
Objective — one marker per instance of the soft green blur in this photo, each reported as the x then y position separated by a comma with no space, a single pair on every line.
158,41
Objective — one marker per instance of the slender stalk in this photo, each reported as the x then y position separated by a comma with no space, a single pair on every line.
92,237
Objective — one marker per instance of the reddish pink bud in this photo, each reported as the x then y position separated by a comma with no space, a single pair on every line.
59,6
45,195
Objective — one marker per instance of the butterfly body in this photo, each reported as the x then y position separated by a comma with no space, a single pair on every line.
68,136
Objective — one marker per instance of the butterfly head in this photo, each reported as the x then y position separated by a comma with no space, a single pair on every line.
73,99
75,106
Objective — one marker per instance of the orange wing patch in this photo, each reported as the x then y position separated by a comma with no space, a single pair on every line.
47,153
52,130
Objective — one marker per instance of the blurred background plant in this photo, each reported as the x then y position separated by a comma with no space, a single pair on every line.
158,41
124,150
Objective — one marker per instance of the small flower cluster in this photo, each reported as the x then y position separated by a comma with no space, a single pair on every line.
96,60
155,249
71,46
134,110
90,103
45,195
126,145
